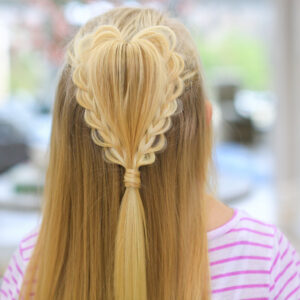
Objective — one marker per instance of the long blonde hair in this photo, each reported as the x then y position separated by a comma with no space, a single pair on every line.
124,212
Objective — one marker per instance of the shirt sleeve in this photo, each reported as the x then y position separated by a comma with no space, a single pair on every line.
285,270
12,279
13,276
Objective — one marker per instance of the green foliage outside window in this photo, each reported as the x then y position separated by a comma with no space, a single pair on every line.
27,72
236,50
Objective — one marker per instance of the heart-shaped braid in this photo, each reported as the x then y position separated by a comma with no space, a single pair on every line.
128,85
164,41
162,119
95,113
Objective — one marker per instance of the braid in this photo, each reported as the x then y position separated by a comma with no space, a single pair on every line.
94,115
129,90
102,133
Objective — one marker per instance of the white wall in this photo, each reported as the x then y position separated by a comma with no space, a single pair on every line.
287,86
5,62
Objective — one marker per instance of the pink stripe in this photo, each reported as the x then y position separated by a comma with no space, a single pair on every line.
239,258
256,299
6,279
275,262
298,263
3,293
26,258
280,274
283,271
256,221
238,287
14,279
21,253
240,243
10,268
251,230
284,286
281,237
17,266
285,252
29,237
239,273
272,287
292,293
27,248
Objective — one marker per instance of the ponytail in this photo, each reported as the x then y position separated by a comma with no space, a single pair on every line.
128,88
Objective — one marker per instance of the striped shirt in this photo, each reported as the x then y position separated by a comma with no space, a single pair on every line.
249,259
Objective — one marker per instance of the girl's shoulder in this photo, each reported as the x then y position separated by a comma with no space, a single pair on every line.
13,276
242,224
257,256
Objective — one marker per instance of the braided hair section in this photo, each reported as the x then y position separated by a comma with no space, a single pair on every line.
128,86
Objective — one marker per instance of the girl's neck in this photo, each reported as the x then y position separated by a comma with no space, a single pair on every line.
217,213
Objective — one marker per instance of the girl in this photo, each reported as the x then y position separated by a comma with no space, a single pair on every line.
127,215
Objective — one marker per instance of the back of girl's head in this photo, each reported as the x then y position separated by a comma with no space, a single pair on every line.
124,211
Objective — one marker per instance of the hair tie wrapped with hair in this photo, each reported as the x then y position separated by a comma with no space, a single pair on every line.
132,178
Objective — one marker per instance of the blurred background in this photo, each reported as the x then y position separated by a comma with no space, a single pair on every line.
249,51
